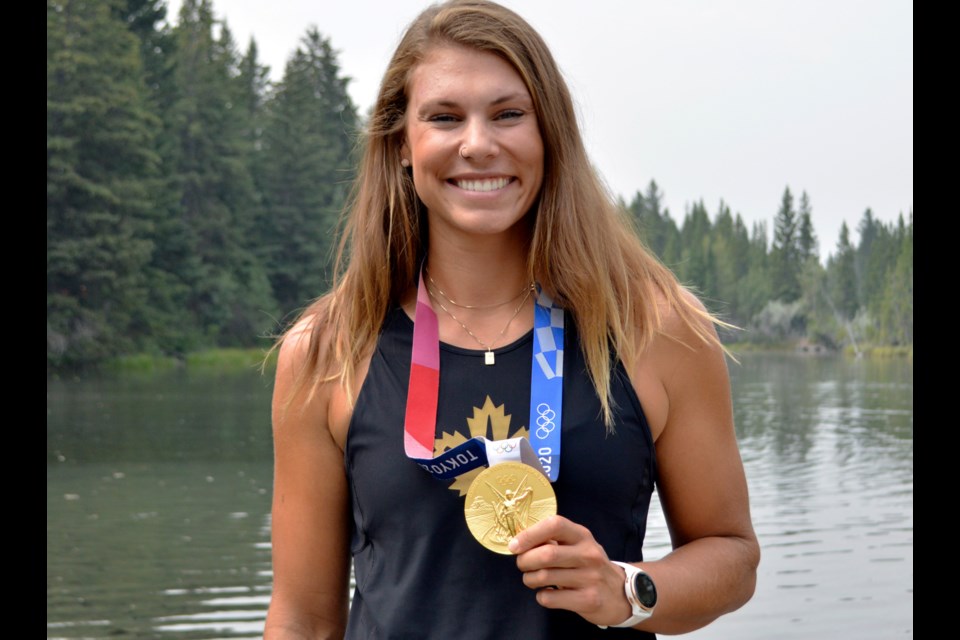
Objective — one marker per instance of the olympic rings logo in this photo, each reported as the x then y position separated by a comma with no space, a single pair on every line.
545,423
505,448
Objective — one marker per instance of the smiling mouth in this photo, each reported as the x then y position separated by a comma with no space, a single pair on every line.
491,184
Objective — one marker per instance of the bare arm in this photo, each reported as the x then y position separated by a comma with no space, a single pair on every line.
712,569
310,510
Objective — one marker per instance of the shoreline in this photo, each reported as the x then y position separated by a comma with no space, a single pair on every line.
238,360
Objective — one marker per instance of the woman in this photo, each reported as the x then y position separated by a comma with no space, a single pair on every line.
474,207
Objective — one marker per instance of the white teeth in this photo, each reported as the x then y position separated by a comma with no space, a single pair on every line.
483,185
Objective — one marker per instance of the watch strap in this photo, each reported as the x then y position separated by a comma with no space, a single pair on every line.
639,613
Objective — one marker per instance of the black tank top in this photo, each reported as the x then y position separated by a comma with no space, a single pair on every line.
420,574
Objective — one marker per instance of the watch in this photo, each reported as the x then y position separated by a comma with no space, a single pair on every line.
641,594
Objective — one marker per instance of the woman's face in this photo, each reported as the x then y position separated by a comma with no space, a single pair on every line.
469,102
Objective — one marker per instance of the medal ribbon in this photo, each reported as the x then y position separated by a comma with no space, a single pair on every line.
546,399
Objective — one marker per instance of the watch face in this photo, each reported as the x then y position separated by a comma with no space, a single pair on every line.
646,591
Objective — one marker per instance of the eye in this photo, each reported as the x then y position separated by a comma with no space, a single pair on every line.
510,114
442,117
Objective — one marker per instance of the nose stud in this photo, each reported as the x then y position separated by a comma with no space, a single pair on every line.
463,152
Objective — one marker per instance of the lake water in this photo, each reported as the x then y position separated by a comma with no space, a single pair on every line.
158,501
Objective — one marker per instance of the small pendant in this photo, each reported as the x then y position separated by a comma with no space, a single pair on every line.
488,357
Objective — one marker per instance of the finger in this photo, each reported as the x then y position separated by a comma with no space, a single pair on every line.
583,601
568,566
559,578
586,553
554,528
551,555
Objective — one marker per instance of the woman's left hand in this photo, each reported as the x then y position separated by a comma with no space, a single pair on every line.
570,570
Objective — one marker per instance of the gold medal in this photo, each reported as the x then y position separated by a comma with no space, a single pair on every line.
504,500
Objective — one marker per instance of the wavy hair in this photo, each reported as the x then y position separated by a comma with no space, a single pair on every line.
583,249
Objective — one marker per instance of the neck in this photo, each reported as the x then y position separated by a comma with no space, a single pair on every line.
482,275
479,273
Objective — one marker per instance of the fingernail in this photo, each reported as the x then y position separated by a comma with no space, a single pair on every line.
513,545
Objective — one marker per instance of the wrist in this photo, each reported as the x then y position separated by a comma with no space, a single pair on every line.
640,593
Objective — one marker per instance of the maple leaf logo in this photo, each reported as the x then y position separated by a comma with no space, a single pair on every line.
489,421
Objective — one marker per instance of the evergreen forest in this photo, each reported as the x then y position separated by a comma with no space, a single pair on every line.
193,203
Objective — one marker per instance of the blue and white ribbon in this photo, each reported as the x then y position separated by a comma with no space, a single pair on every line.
546,384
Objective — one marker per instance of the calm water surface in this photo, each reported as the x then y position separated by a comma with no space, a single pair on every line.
158,499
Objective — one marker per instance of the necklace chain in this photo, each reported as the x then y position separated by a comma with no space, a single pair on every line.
526,288
489,358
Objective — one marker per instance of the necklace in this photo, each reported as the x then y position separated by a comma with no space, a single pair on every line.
488,357
423,396
433,282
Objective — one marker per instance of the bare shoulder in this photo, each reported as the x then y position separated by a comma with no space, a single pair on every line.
300,352
685,345
693,329
310,382
689,358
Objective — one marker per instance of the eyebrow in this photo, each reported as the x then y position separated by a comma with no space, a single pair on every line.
453,104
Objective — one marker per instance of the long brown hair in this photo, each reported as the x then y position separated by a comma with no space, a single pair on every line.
583,249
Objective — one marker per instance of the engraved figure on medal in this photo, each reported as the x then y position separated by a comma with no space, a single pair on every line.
504,500
512,511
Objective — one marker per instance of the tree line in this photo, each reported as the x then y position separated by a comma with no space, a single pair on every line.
193,203
776,288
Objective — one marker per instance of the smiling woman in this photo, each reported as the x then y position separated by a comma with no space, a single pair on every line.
473,143
474,185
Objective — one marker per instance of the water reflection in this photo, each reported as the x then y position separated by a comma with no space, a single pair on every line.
158,491
238,612
828,448
167,417
158,497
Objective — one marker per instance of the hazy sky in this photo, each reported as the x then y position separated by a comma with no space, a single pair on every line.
713,99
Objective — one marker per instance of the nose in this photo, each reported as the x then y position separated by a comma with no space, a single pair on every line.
479,140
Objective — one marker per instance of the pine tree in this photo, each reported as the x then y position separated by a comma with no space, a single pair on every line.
740,257
100,165
656,227
842,277
145,19
818,317
672,246
308,166
253,86
755,288
163,322
229,295
785,254
896,308
876,258
724,260
637,211
806,239
696,263
869,230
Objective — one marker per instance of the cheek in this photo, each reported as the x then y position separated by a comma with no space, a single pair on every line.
426,185
536,156
538,160
424,144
